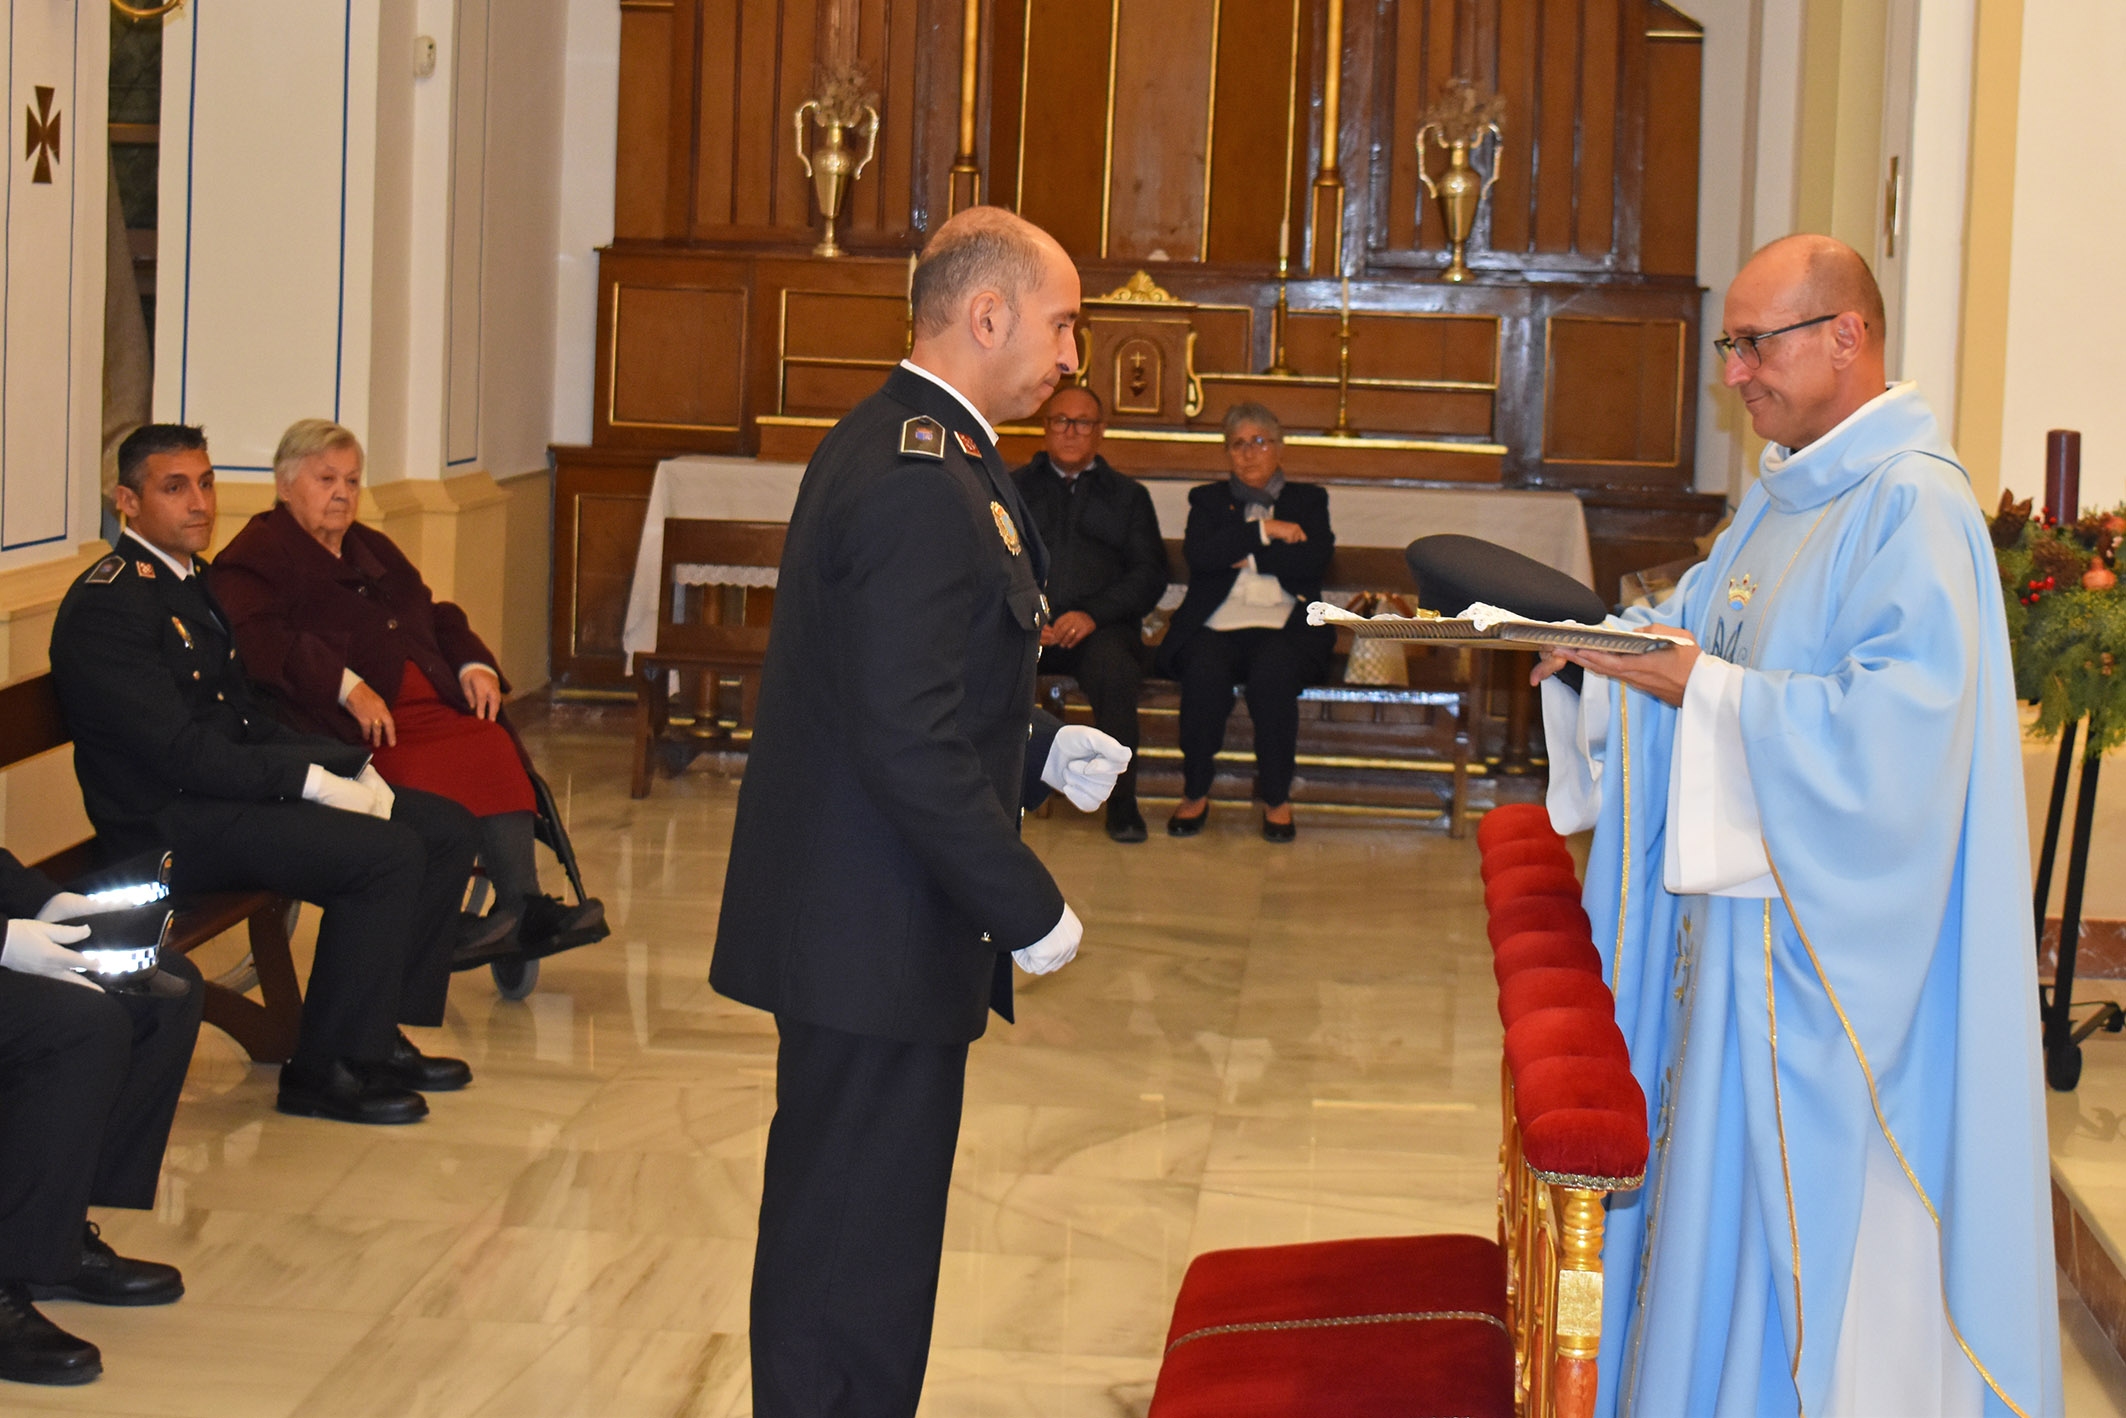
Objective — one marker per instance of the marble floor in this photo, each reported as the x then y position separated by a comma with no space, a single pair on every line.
1255,1045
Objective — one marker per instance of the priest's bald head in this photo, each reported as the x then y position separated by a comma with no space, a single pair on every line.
995,300
1803,338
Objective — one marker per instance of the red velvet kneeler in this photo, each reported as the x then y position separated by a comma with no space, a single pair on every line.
1564,1033
1545,950
1526,852
1530,881
1537,913
1423,1332
1515,820
1524,992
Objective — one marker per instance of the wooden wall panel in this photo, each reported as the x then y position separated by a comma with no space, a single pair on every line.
1554,123
1255,137
1668,216
1614,391
1511,209
678,358
1595,171
640,186
1160,145
1461,349
1064,151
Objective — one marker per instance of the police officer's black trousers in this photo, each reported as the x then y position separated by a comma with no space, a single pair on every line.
88,1086
1109,666
390,893
852,1222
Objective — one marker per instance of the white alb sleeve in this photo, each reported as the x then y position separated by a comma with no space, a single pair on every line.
1715,838
1576,730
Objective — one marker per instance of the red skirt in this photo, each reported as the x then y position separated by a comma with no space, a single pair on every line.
462,757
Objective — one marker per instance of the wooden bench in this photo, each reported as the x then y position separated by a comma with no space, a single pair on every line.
1362,745
713,638
1429,1326
30,724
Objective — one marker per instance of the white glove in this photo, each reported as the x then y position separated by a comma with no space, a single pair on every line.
1083,764
65,905
376,784
331,790
1054,950
40,948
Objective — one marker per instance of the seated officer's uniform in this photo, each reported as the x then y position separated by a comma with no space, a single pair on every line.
173,753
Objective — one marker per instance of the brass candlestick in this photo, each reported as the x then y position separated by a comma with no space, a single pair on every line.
1278,368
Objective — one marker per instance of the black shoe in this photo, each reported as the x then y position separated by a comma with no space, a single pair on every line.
551,925
108,1278
1179,826
482,939
348,1093
1124,822
407,1067
1278,831
33,1350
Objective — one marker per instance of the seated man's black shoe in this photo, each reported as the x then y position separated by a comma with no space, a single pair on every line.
348,1093
1179,826
108,1278
407,1067
1124,822
551,925
33,1350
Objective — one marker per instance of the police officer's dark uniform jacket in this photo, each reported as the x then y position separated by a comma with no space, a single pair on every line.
173,752
877,882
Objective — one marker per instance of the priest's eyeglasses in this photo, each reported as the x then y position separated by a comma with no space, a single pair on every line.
1744,347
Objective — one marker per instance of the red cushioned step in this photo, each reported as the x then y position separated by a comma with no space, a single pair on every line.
1428,1335
1513,821
1564,1033
1537,913
1530,881
1559,1084
1523,993
1526,852
1545,950
1591,1143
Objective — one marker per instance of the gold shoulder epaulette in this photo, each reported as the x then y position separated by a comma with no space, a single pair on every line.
104,572
923,437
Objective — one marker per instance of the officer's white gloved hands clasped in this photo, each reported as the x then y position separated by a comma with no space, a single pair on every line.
40,948
1082,765
1054,950
67,905
382,796
348,794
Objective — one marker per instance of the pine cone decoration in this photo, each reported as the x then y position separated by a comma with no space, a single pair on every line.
2057,558
2009,521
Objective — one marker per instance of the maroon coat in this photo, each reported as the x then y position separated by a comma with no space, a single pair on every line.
303,615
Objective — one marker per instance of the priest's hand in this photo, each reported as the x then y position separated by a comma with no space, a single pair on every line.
483,690
1083,764
1054,950
1660,673
379,729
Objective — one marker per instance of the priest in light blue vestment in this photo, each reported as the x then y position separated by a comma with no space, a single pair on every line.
1810,883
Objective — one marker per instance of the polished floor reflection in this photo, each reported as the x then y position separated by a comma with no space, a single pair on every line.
1257,1044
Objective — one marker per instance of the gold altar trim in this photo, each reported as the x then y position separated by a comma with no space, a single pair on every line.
1139,289
1330,381
1210,137
1867,1072
1160,435
1107,143
1692,36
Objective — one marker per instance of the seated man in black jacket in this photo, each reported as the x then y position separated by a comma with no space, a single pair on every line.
1106,570
172,752
88,1086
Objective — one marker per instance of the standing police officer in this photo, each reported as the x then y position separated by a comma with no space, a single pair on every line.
877,886
172,752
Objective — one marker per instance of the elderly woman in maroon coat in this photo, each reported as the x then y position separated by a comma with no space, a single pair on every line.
337,626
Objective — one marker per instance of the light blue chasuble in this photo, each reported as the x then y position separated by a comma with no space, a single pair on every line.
1882,999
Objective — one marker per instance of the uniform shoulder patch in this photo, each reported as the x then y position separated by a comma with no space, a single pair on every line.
104,572
923,437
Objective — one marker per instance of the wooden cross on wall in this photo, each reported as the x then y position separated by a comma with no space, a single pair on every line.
42,143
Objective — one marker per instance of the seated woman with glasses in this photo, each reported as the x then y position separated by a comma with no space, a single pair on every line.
1257,546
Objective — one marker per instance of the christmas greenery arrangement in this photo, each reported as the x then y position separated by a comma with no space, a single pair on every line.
2066,618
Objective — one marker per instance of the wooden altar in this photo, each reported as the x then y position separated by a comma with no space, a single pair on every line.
1173,146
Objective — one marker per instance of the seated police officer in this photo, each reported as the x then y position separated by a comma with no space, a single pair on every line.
1106,570
88,1086
172,751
